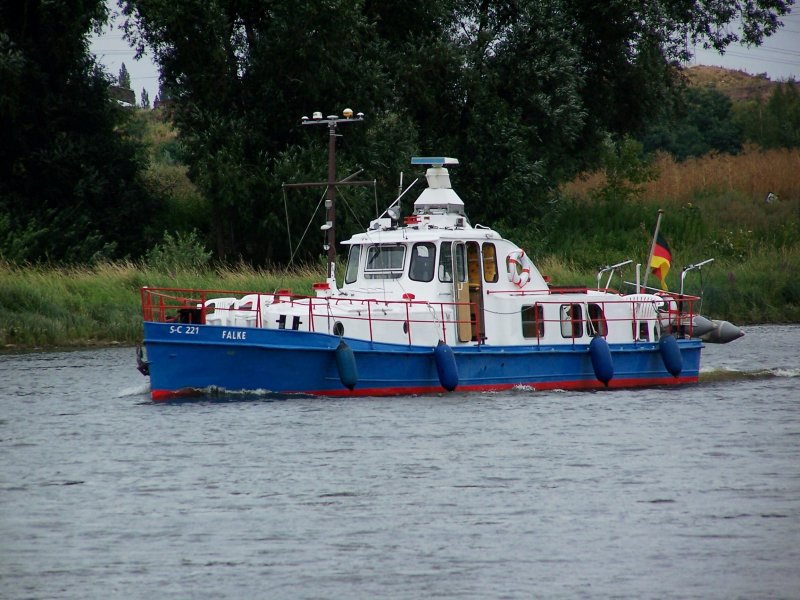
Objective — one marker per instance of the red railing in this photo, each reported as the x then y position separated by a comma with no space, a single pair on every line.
190,306
678,310
164,305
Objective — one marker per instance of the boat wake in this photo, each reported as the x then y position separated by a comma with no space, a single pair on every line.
220,395
135,390
714,375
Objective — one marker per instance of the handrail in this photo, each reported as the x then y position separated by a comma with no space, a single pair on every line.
188,305
175,304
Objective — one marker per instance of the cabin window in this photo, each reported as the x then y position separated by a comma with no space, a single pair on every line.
489,263
461,263
533,321
597,321
385,261
423,262
446,262
571,320
351,274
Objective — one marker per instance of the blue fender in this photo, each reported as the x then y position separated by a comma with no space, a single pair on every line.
346,365
601,359
671,354
446,366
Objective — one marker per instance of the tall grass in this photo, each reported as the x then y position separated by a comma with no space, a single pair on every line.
752,174
44,306
714,207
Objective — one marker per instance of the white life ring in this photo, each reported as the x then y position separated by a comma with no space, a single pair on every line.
518,266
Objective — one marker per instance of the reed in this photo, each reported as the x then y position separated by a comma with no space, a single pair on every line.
752,174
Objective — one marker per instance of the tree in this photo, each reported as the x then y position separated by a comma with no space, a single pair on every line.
145,99
776,122
783,110
124,79
529,91
701,121
69,186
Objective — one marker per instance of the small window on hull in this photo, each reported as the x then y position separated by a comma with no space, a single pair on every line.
597,321
571,321
533,321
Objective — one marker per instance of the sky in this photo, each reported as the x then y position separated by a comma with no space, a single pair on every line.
778,56
112,50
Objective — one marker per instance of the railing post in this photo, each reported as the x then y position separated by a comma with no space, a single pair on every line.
478,335
369,318
408,320
143,293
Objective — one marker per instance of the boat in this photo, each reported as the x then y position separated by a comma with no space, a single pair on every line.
428,303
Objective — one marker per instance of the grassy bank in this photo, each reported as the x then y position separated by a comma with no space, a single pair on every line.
49,307
41,307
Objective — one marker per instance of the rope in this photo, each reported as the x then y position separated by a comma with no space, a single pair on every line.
352,212
300,243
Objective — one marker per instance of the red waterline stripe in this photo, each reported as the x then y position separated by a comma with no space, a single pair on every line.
163,395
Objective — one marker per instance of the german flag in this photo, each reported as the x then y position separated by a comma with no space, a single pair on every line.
659,263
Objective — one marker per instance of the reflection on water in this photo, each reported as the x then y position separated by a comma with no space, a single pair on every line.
690,492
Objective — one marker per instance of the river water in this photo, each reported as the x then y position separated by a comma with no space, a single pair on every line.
662,493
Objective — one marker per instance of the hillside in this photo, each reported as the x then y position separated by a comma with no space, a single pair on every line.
737,85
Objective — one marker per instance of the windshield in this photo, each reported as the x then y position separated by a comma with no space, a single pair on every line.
351,274
385,261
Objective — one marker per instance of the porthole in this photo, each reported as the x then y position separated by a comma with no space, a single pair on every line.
405,326
338,329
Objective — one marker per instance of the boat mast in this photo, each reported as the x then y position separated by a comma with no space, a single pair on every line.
332,121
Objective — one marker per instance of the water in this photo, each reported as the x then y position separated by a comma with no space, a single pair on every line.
662,493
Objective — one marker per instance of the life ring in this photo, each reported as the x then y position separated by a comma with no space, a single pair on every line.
519,267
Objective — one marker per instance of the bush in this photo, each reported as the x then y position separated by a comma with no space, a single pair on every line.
183,253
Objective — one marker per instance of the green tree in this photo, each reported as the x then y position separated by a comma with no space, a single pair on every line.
145,99
527,91
776,122
124,79
69,186
700,121
783,110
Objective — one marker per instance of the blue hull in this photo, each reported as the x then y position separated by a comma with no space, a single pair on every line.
186,358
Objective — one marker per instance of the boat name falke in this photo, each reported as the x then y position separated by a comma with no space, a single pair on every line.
234,335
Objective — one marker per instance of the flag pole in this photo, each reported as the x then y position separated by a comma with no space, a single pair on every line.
652,248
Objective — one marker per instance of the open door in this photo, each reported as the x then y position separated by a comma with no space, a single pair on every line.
461,292
475,285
